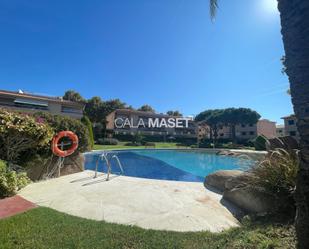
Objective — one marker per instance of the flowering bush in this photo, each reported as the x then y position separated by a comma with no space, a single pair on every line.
20,133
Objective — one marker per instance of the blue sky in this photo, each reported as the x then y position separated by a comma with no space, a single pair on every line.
166,53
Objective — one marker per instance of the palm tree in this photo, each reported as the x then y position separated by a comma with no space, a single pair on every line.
294,16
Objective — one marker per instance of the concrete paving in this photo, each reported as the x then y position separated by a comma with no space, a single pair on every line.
147,203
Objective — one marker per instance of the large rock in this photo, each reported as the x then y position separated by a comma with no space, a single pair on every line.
237,181
227,153
235,188
250,200
219,178
72,164
287,143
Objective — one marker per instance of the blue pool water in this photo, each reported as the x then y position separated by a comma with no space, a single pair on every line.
178,165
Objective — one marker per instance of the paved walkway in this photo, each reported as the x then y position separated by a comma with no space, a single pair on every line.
14,205
155,204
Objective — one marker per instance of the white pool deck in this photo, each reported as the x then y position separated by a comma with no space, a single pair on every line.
147,203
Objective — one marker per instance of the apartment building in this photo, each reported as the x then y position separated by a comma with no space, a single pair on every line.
126,121
246,131
280,131
290,127
267,128
203,130
29,103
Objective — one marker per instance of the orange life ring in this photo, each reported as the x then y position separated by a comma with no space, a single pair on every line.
59,151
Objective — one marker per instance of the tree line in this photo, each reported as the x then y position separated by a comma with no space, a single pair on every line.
97,109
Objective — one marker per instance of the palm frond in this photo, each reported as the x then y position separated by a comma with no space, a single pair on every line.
213,8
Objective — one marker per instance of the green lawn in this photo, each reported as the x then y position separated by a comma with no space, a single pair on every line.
121,145
47,228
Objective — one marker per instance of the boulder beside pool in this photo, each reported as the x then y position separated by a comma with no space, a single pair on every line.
233,184
218,179
237,181
249,199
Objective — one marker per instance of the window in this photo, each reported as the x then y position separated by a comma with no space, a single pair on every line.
291,122
292,133
221,134
67,109
251,125
244,133
243,125
252,133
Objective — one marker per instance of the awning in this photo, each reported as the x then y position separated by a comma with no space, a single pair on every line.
30,102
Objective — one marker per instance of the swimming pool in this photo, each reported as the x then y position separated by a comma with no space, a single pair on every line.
177,165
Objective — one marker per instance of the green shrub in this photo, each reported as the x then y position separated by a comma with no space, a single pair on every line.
155,138
98,131
150,144
276,176
2,165
260,143
86,121
107,141
137,138
61,123
132,144
20,133
11,181
206,143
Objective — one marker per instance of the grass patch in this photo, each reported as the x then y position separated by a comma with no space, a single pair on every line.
47,228
121,145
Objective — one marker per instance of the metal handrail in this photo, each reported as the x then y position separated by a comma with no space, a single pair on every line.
119,164
97,163
109,169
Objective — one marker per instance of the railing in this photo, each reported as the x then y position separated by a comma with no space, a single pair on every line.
108,164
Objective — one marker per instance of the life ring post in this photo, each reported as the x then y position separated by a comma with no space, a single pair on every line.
58,146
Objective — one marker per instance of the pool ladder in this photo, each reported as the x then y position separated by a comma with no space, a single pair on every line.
108,163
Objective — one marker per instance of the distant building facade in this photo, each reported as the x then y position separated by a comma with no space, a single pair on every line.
135,116
203,131
280,131
245,131
267,128
290,126
26,102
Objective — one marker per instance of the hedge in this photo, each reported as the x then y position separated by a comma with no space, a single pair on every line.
155,138
86,121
